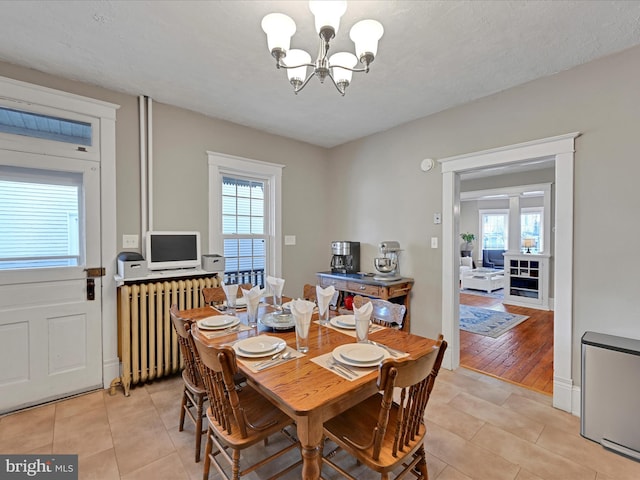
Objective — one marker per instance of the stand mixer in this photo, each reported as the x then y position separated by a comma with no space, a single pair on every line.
388,265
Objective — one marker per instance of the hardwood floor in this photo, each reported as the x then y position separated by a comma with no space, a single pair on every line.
523,355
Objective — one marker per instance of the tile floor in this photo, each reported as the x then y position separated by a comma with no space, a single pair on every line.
479,428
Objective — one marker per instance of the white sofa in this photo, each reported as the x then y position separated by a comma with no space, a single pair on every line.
466,263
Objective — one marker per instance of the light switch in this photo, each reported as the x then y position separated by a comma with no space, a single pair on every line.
434,242
437,218
289,239
129,241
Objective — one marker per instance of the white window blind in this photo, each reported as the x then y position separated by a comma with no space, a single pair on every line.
40,218
244,230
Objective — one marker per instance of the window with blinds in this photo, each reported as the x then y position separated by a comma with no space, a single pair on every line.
244,230
40,218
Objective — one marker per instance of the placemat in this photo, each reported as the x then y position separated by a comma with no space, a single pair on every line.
258,364
345,371
241,327
374,327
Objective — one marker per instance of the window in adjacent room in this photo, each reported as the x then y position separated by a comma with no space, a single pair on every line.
532,229
494,229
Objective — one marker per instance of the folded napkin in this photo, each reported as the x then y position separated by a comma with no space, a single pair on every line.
276,284
302,311
324,296
253,297
230,291
364,312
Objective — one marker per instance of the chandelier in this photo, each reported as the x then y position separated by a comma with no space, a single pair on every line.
340,66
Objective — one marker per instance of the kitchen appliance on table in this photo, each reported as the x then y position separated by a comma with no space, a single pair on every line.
345,257
388,265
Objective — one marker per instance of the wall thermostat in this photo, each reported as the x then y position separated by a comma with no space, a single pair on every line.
427,164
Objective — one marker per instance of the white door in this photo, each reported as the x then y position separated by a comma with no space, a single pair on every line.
50,331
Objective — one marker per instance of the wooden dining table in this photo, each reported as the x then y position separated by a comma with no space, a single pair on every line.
306,391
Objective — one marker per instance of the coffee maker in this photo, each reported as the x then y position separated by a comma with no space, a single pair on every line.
345,257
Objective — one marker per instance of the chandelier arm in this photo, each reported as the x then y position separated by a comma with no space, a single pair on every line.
304,84
282,65
356,70
342,92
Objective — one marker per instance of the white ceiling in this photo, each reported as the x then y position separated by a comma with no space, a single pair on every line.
211,56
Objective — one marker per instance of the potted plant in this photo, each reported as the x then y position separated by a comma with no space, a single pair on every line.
466,248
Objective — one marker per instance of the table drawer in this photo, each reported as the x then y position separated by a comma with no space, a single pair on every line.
368,290
399,290
338,284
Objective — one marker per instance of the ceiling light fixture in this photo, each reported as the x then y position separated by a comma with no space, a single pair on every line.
340,66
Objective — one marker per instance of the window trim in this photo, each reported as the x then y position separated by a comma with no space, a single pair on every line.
221,164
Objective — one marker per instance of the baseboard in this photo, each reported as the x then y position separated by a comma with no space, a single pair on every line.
563,395
110,370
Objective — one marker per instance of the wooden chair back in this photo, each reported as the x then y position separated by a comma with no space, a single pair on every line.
415,378
182,326
309,293
219,366
216,296
384,312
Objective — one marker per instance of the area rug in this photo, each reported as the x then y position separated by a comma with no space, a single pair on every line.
482,293
489,323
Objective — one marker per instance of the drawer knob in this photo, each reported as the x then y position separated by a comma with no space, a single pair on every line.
363,287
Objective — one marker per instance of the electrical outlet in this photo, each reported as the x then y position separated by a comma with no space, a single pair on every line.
289,239
129,241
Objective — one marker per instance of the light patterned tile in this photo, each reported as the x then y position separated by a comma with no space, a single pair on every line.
543,414
27,430
467,457
471,384
453,419
141,441
101,466
451,473
85,433
168,467
590,454
167,401
526,475
506,419
533,458
77,405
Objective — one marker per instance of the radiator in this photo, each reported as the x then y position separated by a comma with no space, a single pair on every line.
147,343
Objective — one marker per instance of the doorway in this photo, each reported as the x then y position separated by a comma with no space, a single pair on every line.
562,149
57,326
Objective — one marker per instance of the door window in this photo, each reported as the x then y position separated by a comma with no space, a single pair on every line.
40,218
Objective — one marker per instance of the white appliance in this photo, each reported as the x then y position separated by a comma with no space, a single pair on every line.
213,263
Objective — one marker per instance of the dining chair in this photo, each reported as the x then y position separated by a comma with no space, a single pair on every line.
237,418
216,295
309,293
384,434
385,313
194,394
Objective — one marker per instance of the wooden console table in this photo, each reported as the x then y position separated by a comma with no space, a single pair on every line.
367,286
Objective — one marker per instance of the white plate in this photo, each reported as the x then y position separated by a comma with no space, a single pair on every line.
279,322
360,354
344,321
218,322
259,346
